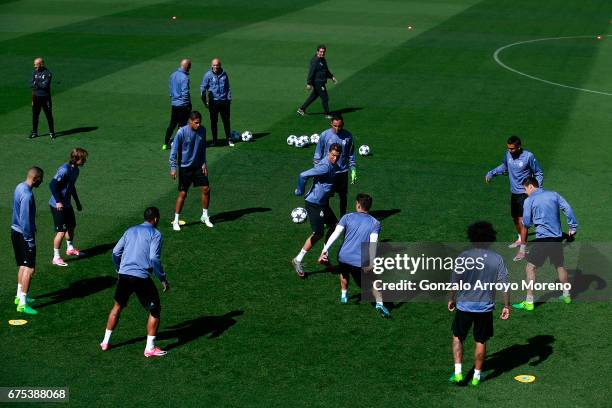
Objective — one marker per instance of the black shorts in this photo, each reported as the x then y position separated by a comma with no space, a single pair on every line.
63,219
319,217
516,204
483,325
347,271
341,183
542,248
189,176
24,255
145,291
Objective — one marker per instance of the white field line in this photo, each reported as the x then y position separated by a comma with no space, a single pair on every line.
516,71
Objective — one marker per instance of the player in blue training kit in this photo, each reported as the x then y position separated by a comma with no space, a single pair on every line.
317,201
137,253
542,209
189,154
519,164
180,100
63,190
475,306
337,134
23,230
359,228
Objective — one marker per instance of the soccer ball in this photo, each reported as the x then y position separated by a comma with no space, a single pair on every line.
235,136
364,150
314,138
305,139
300,142
291,140
298,215
247,136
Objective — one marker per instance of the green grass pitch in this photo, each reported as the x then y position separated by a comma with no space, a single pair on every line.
242,330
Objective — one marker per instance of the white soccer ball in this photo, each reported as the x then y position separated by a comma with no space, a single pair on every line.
298,215
314,138
364,150
291,140
299,142
247,136
235,136
305,139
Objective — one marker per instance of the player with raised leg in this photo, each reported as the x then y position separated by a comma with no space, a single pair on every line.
136,254
317,202
542,210
63,190
359,228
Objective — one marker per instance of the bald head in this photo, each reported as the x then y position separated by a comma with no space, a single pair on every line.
35,176
39,63
215,64
186,64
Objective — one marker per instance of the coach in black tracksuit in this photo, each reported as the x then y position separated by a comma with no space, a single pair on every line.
317,78
41,97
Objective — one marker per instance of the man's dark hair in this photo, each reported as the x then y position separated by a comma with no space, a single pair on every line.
481,231
531,181
321,46
365,201
335,147
337,116
195,115
514,140
151,213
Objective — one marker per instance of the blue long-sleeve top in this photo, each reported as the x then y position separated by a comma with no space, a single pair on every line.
190,145
323,174
344,138
62,185
24,213
138,252
217,84
179,88
518,169
541,209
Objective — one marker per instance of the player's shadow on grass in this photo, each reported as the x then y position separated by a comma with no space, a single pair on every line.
580,282
189,330
535,352
260,135
93,251
233,215
84,129
331,269
383,214
76,290
345,110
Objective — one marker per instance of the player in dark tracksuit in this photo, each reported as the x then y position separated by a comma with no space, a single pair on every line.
41,96
316,81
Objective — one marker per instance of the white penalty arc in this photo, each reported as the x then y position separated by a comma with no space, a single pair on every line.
516,71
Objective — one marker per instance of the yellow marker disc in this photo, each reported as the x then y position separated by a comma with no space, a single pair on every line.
181,222
524,378
19,322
